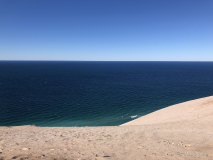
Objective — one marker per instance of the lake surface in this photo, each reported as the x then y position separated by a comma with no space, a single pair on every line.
96,93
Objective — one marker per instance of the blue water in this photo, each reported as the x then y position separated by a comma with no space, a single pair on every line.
96,93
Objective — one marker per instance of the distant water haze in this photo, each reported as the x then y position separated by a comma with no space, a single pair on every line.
96,93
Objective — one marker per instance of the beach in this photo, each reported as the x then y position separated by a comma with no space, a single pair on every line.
181,131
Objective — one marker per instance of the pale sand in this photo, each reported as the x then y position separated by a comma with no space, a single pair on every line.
182,131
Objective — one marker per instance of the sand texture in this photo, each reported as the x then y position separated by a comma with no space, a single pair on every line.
182,131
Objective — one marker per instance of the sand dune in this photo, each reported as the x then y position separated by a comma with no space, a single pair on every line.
199,111
182,131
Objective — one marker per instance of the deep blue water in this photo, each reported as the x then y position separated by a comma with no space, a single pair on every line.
96,93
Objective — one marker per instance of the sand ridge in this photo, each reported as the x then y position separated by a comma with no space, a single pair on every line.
182,131
199,111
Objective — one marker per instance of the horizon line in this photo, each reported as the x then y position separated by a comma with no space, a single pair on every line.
101,61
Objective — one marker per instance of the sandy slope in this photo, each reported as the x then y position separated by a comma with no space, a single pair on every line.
199,111
182,131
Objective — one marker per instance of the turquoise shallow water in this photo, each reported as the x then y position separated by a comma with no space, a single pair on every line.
96,93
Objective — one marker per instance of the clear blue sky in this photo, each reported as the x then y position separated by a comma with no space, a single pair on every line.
106,30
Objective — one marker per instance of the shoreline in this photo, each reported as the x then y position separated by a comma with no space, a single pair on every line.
180,131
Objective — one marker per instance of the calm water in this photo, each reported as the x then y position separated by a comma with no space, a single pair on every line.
96,93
